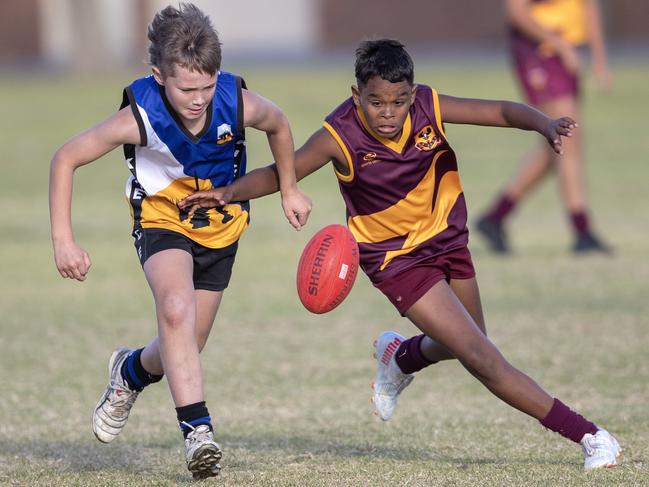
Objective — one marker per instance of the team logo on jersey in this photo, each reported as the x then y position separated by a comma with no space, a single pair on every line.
369,158
426,139
223,134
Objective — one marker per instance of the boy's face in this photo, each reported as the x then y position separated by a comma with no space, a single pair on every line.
188,92
385,105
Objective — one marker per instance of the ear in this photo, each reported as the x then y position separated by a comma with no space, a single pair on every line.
413,93
356,95
157,75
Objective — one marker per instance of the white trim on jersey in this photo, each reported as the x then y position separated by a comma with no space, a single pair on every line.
155,165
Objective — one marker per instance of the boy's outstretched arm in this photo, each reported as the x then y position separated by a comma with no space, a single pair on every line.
71,260
264,115
317,151
496,113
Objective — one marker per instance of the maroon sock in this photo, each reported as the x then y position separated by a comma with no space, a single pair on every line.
563,420
503,206
409,357
580,222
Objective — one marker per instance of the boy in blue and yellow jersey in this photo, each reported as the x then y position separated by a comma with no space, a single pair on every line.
545,38
399,178
182,129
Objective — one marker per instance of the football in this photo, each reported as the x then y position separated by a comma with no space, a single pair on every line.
327,269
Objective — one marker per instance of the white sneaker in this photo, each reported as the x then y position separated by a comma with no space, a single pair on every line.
389,381
111,412
202,453
600,450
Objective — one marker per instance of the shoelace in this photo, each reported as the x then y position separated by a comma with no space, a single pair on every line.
121,404
196,436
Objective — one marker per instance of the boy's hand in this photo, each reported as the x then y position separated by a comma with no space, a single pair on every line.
556,129
71,260
297,207
209,198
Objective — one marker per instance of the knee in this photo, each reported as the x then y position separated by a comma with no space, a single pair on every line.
175,312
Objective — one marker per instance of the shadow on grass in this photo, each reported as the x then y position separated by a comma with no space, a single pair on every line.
296,448
159,459
69,458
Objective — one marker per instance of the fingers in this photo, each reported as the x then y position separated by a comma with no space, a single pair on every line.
559,128
76,270
194,208
303,217
198,200
187,201
568,123
298,217
293,220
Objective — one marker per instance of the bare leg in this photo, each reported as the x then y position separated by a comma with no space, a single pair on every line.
441,315
537,164
207,304
469,295
533,168
169,274
570,165
531,171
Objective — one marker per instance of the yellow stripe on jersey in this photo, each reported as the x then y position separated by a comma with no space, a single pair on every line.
438,113
390,144
343,177
413,216
160,211
567,17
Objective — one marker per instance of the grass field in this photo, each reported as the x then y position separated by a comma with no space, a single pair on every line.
289,390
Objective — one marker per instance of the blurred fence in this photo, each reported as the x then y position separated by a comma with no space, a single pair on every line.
91,34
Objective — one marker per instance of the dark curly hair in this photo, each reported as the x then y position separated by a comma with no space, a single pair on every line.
386,58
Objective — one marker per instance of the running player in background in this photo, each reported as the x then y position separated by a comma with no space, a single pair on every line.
399,179
182,129
545,37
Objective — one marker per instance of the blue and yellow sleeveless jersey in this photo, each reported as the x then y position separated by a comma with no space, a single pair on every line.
171,163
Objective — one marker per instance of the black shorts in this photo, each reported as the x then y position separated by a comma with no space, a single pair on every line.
212,267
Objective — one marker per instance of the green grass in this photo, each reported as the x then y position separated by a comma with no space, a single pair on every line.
290,390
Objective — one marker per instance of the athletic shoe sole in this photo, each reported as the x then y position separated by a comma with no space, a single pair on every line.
205,462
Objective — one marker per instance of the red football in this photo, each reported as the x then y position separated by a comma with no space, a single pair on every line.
327,269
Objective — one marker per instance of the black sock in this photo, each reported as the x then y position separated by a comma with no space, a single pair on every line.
135,374
192,416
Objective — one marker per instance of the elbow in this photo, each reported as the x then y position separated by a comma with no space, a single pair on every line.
58,159
63,161
282,123
279,125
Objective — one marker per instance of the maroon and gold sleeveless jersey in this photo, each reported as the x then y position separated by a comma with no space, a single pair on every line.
404,199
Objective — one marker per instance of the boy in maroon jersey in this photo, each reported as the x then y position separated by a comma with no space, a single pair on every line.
405,206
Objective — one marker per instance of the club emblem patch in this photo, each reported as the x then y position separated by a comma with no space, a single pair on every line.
223,134
426,139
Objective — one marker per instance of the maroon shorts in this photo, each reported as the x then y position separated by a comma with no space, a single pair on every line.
406,288
542,78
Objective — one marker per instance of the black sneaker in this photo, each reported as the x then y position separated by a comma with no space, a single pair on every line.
494,234
588,243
